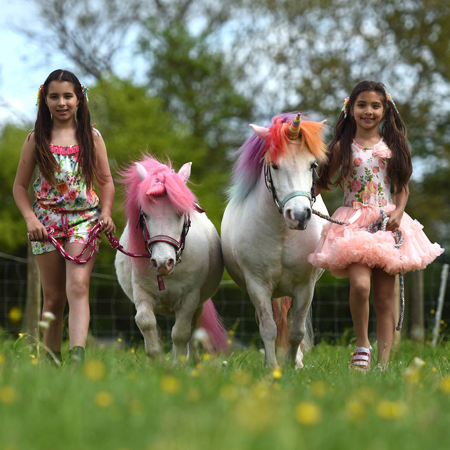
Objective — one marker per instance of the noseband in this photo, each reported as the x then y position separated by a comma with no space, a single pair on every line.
178,245
311,196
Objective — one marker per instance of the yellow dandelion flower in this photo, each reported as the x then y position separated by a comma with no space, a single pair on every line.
15,315
8,395
434,369
20,335
229,341
261,390
277,373
432,311
231,332
34,362
32,356
2,359
445,385
206,357
102,346
94,370
229,393
355,411
417,362
193,395
442,322
391,410
319,388
103,399
119,339
194,372
170,385
199,366
308,413
413,375
182,358
133,350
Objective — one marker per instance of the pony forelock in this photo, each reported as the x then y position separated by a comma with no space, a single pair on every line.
256,150
136,200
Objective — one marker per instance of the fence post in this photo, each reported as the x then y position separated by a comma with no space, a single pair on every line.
33,301
417,308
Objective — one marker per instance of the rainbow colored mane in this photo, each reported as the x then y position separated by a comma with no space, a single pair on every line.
255,151
136,199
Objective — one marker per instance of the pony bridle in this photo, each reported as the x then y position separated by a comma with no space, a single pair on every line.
150,240
311,196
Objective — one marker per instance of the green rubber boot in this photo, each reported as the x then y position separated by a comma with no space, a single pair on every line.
76,354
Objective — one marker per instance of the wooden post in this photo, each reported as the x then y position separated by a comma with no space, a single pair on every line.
33,301
397,334
417,308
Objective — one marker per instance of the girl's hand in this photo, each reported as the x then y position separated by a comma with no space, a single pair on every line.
107,223
395,218
36,231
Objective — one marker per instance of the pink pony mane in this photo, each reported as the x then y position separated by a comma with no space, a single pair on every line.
147,196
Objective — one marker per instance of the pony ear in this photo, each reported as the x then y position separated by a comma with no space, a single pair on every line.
262,132
141,172
185,171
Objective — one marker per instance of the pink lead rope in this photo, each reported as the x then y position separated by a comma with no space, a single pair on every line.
96,230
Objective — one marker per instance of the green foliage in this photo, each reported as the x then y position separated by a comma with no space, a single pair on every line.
13,230
118,401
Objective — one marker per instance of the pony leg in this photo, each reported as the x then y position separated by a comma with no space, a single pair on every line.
262,301
146,322
194,346
182,330
298,325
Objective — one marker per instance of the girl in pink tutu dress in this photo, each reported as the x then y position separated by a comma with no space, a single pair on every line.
371,150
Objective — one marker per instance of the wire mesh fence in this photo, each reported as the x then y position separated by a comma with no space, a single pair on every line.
112,313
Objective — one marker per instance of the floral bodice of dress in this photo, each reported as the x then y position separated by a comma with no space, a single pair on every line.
71,193
369,183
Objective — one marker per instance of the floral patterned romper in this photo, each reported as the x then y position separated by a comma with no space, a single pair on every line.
70,209
365,194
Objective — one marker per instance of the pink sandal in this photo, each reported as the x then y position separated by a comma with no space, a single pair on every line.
361,359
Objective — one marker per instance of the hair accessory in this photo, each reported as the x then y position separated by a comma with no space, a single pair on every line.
38,100
390,99
84,90
344,108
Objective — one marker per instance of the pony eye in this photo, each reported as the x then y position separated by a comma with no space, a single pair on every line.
314,165
274,167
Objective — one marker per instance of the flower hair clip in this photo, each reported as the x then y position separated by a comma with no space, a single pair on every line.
84,90
344,108
390,99
38,100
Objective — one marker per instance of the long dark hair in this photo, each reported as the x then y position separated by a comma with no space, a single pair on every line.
392,129
43,132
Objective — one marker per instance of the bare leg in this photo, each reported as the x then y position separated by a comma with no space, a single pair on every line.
383,301
77,287
359,277
53,277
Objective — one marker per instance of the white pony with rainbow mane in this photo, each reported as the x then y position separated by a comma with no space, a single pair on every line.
270,201
164,220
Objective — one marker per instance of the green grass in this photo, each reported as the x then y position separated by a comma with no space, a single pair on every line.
117,401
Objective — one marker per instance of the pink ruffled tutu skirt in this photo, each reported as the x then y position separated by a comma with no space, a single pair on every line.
343,245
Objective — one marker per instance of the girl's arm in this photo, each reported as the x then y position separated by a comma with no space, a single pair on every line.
335,163
105,184
27,163
395,217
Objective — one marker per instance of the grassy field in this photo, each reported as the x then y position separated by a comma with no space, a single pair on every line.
117,401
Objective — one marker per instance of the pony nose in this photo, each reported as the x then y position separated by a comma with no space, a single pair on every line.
163,267
297,220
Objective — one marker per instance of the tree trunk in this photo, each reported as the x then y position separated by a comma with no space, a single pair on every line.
417,308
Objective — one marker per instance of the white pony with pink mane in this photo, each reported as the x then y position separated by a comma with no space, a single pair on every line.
270,201
164,220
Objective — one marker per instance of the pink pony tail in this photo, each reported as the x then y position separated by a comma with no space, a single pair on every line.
212,323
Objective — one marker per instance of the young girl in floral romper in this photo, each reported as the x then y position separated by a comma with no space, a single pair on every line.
372,152
70,154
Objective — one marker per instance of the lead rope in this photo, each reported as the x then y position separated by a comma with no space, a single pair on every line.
375,226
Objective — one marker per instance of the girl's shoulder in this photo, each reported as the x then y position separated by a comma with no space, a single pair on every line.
30,137
96,133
